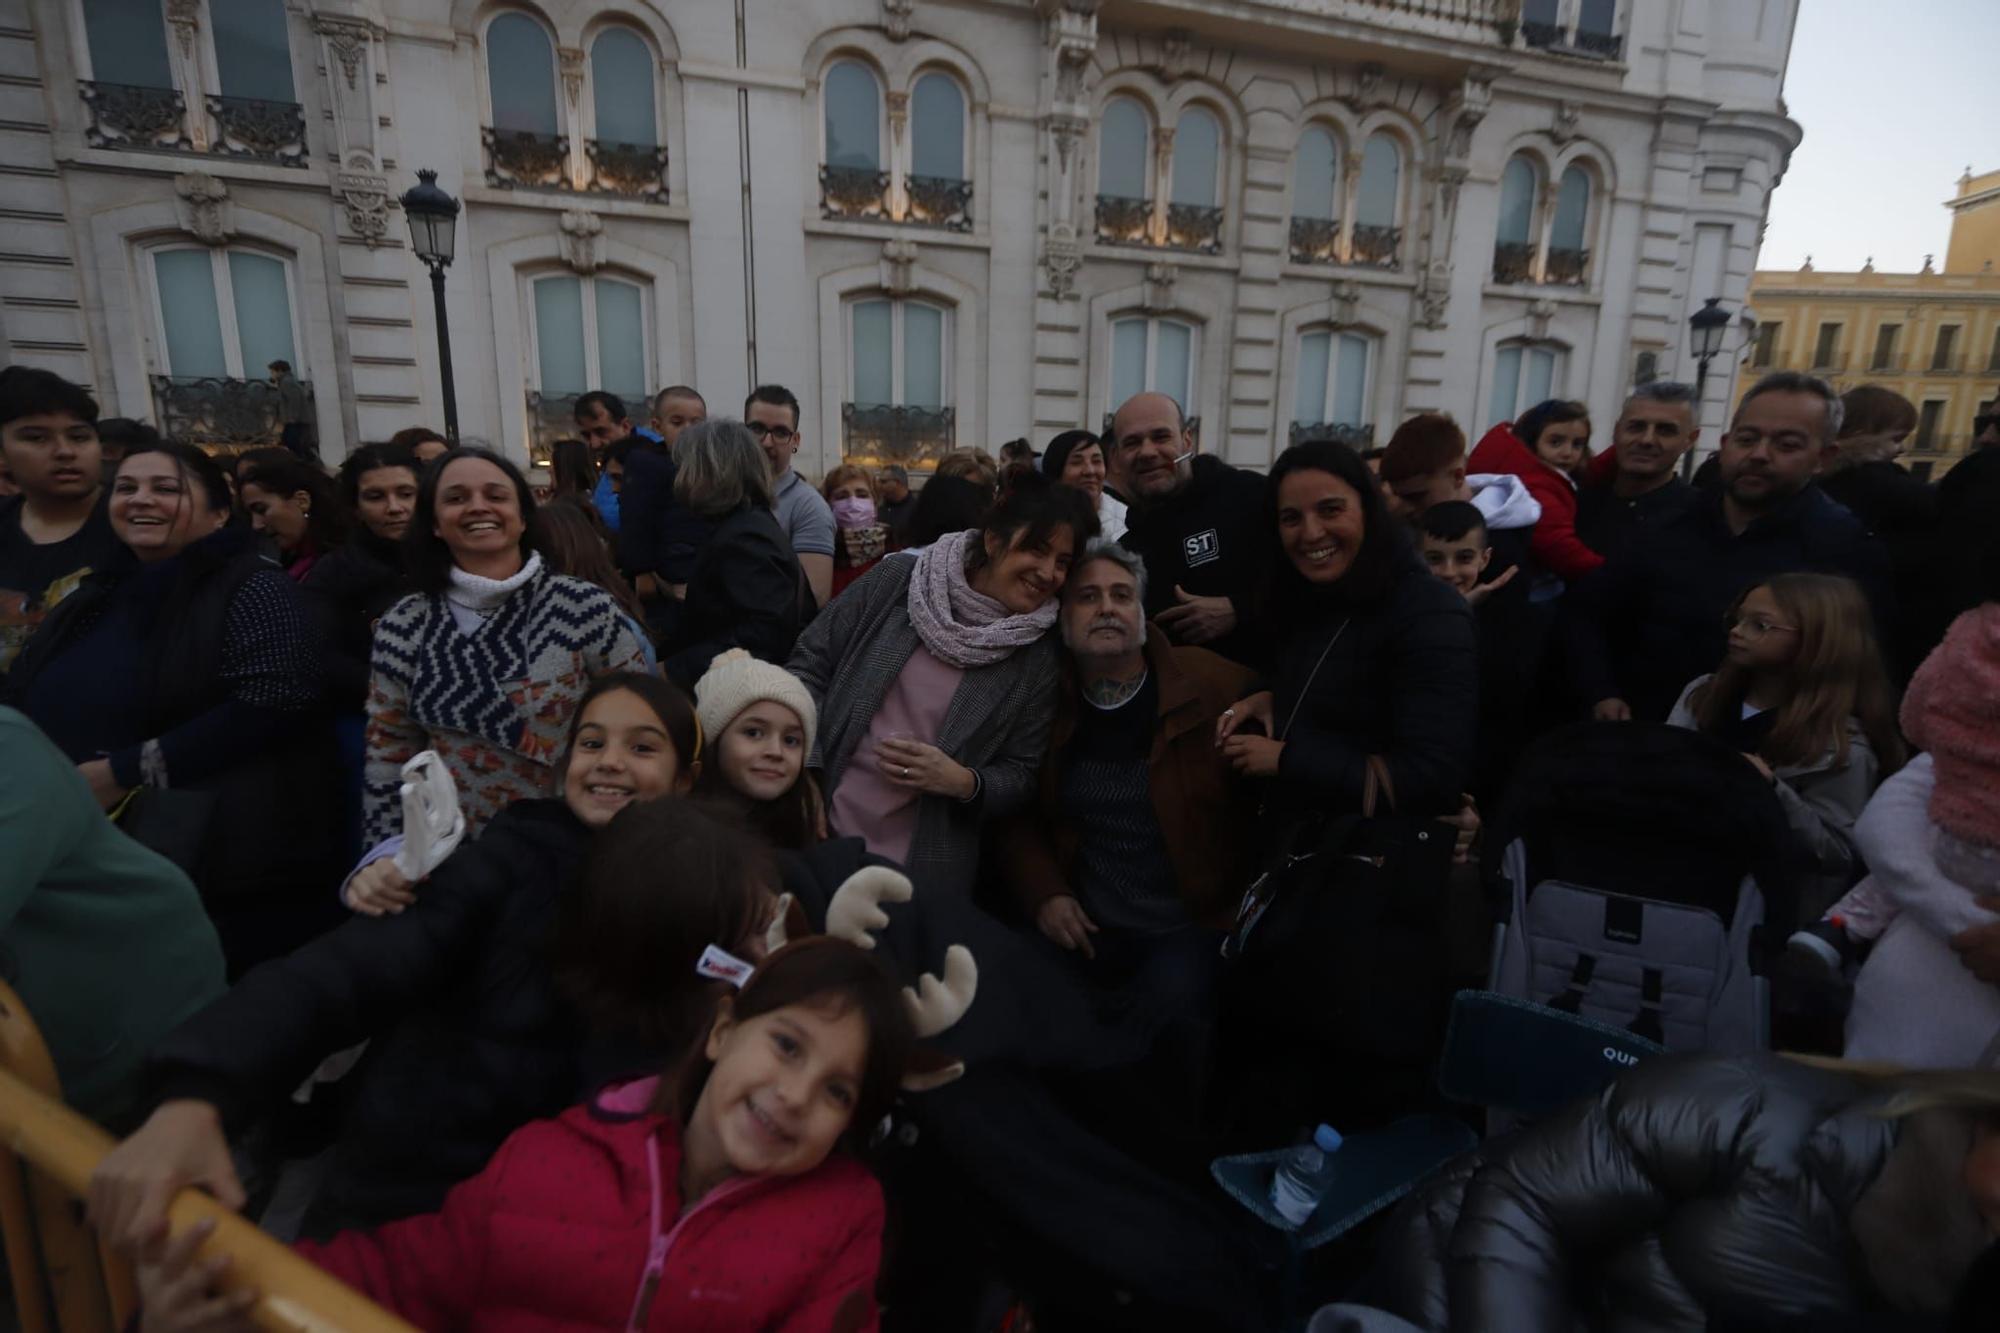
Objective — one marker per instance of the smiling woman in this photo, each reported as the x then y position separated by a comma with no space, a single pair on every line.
486,661
934,679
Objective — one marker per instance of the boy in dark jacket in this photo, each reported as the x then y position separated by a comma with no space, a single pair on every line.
1457,549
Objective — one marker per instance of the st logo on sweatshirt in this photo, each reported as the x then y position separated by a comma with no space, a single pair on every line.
1202,548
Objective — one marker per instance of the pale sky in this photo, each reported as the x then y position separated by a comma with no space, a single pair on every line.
1896,100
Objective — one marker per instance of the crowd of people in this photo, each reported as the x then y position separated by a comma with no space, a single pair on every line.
673,1016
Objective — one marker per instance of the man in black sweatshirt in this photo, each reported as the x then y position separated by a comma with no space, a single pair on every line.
1196,521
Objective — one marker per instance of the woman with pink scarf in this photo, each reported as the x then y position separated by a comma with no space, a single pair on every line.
935,678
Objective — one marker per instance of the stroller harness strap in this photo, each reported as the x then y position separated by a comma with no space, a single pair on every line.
1571,999
1652,986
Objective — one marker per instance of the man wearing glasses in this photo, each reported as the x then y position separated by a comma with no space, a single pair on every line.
772,414
1648,622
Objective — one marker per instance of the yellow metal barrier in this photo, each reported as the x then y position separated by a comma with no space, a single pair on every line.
44,1176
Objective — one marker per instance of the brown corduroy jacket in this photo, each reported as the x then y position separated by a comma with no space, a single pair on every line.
1204,811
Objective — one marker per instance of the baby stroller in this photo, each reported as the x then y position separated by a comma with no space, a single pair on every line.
1645,877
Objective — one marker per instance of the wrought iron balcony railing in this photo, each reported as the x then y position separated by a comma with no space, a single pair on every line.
1513,261
876,434
1377,247
1339,432
250,127
217,413
1566,268
1315,240
1195,227
1122,221
940,201
853,192
1542,35
1607,45
523,159
1573,41
635,170
125,115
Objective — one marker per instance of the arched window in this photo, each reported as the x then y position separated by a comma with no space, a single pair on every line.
937,128
590,333
1514,239
1124,149
1197,158
253,53
1567,254
521,76
223,313
1333,379
622,89
896,354
1315,192
1152,355
1377,238
853,117
1523,375
128,43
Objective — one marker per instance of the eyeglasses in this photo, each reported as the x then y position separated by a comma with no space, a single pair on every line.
1756,626
782,434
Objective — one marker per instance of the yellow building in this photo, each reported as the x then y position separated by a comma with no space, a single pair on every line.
1932,337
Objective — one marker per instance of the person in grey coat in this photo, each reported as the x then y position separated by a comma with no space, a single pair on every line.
1701,1192
935,678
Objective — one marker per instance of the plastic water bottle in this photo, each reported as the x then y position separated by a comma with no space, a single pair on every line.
1304,1175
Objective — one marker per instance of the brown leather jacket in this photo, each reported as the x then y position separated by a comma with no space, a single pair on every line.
1202,806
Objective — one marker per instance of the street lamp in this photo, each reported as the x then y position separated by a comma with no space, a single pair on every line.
433,217
1705,329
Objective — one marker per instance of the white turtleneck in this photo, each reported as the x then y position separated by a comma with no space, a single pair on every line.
473,599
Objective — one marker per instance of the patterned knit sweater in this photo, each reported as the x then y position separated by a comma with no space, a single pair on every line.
495,701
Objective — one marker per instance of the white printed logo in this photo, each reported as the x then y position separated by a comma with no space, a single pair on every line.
1201,549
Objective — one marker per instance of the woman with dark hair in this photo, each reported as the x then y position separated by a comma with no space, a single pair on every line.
486,661
946,505
295,505
483,997
934,677
1076,458
572,471
571,534
746,590
352,587
1374,685
184,681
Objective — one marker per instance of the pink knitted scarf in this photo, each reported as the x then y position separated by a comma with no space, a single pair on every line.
962,626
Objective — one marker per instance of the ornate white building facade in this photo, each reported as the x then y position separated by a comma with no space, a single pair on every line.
939,221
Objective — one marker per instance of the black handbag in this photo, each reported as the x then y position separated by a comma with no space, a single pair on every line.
1342,938
171,821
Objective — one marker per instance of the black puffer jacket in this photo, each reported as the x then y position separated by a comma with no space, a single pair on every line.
468,1041
348,590
1695,1193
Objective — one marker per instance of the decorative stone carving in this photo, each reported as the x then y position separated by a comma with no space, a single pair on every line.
1435,294
1449,180
899,262
1069,132
1568,117
364,199
1467,108
348,40
1540,311
580,230
898,104
204,207
1071,32
897,16
1927,265
1868,264
1176,53
184,16
1160,280
1367,85
571,60
1062,256
1346,302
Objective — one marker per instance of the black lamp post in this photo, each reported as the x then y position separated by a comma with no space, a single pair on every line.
433,217
1705,328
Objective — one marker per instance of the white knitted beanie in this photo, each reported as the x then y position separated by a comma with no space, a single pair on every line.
735,680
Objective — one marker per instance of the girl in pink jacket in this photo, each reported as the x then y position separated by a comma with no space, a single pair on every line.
724,1198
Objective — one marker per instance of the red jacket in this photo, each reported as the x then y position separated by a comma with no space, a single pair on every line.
1554,542
576,1225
